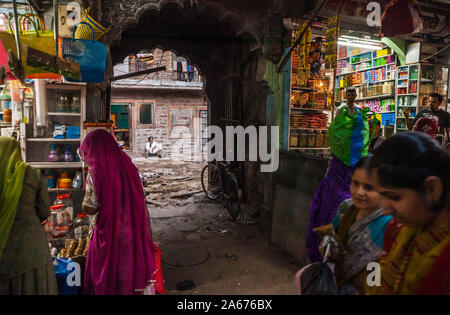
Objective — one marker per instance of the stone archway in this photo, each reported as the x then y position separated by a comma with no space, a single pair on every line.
221,44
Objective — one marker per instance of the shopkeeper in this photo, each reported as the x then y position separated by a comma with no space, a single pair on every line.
435,102
350,95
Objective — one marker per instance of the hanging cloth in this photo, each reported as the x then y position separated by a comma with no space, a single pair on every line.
11,181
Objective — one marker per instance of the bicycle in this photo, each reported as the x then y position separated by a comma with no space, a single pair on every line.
219,182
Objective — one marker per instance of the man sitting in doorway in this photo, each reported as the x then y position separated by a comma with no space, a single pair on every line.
152,148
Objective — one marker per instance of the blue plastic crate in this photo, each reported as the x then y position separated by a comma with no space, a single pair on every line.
61,274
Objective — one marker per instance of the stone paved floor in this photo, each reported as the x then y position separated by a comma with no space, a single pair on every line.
200,243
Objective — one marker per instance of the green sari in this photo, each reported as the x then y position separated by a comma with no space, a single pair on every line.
11,179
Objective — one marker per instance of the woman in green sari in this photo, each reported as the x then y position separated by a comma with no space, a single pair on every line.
25,263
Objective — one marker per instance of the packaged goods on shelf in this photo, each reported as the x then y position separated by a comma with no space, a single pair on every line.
73,132
59,132
309,120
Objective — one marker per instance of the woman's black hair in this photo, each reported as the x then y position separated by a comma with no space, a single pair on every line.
407,159
362,163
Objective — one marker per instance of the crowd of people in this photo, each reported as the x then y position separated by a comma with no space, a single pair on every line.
391,208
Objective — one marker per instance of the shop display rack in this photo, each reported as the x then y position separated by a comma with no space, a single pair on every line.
373,74
415,83
36,149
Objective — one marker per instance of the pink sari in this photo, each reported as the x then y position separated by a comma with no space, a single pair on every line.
121,259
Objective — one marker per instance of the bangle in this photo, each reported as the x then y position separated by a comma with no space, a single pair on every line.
43,222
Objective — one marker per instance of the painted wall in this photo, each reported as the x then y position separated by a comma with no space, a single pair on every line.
294,186
122,115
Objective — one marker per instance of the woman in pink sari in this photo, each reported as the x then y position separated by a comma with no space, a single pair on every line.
121,257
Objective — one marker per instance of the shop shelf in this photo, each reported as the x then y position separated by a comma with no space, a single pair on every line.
367,83
357,63
52,140
299,88
367,52
64,189
309,148
407,94
372,68
382,57
309,129
374,97
310,109
64,114
56,164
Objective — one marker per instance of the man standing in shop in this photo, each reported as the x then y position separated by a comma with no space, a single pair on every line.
152,148
350,95
443,117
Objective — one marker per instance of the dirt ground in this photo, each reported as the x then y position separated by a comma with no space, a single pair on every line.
201,244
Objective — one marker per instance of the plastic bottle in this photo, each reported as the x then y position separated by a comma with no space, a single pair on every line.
68,156
53,155
76,184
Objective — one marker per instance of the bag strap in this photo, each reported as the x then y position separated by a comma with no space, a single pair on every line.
32,15
76,26
325,253
20,19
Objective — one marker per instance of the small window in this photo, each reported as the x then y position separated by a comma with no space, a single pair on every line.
146,114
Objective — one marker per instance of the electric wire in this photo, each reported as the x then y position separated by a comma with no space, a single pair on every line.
436,53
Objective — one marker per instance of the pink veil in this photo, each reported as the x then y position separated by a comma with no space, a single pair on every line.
120,258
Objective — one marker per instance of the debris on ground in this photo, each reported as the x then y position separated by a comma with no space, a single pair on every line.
169,183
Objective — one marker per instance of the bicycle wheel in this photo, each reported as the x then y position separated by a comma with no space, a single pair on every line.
233,196
211,182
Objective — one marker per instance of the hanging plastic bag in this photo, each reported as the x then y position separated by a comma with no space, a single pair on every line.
88,24
89,54
41,40
348,136
401,17
159,285
317,278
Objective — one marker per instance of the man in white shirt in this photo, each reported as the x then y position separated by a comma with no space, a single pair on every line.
152,148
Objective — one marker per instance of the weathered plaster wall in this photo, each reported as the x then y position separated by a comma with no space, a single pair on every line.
294,186
165,105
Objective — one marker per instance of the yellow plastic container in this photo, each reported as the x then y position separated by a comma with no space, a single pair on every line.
65,183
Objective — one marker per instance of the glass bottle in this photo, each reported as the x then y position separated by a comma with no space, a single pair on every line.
61,104
66,201
75,108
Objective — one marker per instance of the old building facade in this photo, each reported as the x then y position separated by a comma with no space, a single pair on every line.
168,105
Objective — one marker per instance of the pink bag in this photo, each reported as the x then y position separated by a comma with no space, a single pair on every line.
4,62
